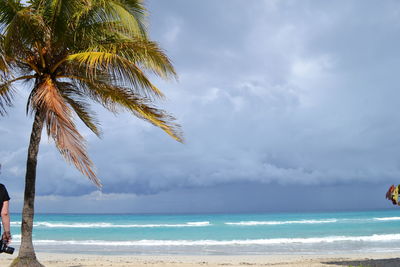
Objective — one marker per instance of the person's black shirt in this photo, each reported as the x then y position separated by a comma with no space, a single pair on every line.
3,195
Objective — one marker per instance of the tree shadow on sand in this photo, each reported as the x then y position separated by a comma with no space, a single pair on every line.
393,262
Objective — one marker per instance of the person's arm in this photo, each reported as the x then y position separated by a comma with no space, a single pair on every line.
5,218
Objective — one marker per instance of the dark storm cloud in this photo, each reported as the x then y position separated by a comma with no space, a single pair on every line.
286,93
233,197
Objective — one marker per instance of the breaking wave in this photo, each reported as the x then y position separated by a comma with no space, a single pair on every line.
273,241
111,225
255,223
388,219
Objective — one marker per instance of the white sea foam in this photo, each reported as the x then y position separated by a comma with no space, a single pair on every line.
273,241
255,223
111,225
388,219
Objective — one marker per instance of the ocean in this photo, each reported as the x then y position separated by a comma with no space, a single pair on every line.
215,234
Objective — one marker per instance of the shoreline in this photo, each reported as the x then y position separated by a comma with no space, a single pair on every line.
384,259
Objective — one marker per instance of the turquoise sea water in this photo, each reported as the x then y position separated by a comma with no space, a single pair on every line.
349,232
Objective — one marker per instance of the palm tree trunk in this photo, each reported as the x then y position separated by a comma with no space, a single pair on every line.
26,256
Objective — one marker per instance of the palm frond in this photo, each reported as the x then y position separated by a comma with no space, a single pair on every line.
7,91
60,16
138,11
129,17
8,9
58,118
75,99
4,68
120,69
23,32
142,52
133,23
6,96
112,97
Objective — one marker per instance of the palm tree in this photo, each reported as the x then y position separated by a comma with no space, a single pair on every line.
68,52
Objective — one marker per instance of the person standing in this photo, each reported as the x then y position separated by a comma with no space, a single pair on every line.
5,216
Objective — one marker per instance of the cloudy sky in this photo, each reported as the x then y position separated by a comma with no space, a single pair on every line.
285,106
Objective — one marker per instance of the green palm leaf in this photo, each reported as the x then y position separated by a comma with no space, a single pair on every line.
8,9
119,68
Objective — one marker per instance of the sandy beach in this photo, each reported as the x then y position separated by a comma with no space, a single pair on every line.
79,260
